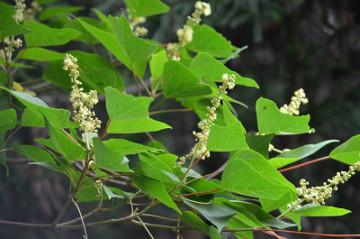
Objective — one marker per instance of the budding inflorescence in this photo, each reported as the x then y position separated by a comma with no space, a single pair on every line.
185,34
294,106
319,194
200,148
82,102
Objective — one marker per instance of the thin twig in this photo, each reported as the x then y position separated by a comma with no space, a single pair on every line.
147,230
169,111
69,136
82,220
136,82
156,106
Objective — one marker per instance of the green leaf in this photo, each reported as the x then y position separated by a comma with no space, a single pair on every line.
33,153
145,8
249,173
157,63
41,54
8,120
259,143
236,224
156,189
208,68
117,193
103,19
36,108
93,78
206,39
180,81
194,221
294,155
228,138
54,11
314,210
216,214
109,159
109,41
64,145
134,48
253,215
73,23
127,147
8,26
271,121
42,35
129,114
348,152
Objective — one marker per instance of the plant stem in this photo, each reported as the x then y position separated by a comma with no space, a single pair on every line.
169,111
304,164
136,82
82,220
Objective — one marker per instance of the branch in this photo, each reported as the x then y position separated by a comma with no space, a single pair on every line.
304,164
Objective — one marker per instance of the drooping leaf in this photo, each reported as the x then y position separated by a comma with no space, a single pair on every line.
41,54
314,210
8,120
249,173
194,221
145,8
156,189
234,223
42,35
33,153
207,67
36,108
271,121
348,152
228,138
180,81
216,214
206,39
54,11
294,155
135,49
64,145
103,18
8,26
129,114
109,159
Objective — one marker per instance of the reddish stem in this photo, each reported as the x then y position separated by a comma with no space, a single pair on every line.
304,164
105,130
192,166
69,136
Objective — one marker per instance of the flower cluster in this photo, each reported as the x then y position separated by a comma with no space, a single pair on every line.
82,102
185,34
200,148
293,108
134,25
10,45
22,14
319,194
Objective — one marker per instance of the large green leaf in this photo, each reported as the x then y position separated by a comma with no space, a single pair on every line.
8,120
194,221
126,147
54,11
180,81
8,26
41,54
156,189
129,114
42,35
228,138
145,8
64,145
108,159
134,48
216,214
157,63
314,210
36,109
348,152
249,173
294,155
271,121
206,39
207,67
33,153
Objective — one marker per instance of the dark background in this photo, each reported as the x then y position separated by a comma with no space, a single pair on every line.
306,44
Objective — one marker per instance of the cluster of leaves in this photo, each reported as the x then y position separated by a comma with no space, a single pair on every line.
250,186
